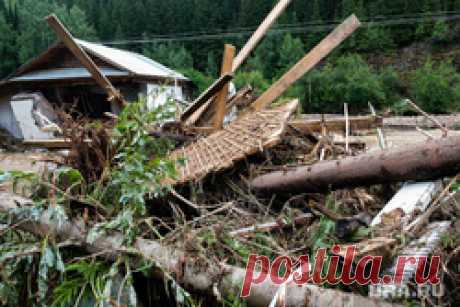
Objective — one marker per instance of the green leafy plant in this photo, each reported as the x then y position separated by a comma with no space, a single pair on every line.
349,80
140,166
136,172
436,88
440,32
201,80
83,282
253,78
17,263
50,260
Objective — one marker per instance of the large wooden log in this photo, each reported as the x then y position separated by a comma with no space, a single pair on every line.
424,161
222,278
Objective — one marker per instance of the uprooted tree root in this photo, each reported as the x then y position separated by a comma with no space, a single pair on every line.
90,151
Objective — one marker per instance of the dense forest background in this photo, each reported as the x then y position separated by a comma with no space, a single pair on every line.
407,48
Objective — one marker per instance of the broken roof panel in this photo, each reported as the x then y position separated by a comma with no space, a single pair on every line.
66,73
247,135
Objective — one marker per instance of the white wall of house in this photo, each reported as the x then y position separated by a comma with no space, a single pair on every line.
16,118
7,120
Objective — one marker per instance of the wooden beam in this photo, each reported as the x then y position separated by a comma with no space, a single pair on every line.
68,40
336,124
241,98
260,33
193,115
219,106
194,119
206,95
308,62
202,117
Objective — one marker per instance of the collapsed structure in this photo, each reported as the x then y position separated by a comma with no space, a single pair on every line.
57,79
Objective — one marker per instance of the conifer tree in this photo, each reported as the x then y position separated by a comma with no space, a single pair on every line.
8,52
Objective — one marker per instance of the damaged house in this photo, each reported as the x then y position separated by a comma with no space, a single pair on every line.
56,79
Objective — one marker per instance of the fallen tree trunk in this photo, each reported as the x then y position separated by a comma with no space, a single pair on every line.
425,161
226,279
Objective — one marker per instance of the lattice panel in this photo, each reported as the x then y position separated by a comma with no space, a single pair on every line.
247,135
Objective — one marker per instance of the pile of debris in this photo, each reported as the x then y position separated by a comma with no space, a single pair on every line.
252,178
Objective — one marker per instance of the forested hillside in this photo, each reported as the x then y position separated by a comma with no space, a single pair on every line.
189,35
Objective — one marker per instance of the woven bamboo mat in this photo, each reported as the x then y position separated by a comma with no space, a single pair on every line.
249,134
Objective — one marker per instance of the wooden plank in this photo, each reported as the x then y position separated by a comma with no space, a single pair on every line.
68,40
301,220
449,121
308,62
336,124
219,106
192,116
51,143
429,117
206,95
198,115
260,33
203,116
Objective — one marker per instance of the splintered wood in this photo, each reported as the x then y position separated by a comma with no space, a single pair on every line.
248,135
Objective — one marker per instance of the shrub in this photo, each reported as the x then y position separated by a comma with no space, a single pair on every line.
392,85
349,80
375,38
201,80
440,32
436,88
290,51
